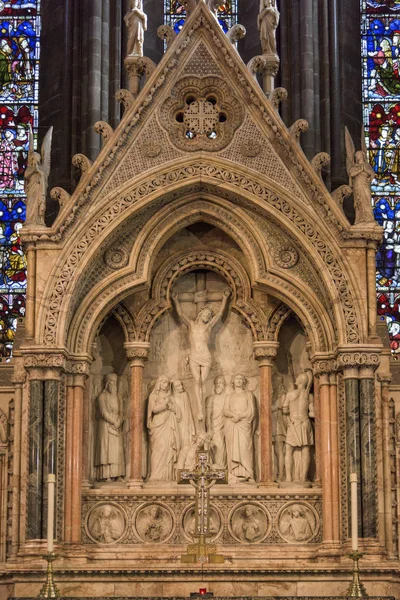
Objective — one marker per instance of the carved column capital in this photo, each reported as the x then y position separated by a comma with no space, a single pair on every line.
358,358
43,366
77,371
137,352
265,351
19,374
323,365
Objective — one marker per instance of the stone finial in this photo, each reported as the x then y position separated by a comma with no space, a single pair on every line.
81,162
60,195
104,129
341,193
300,126
277,96
125,97
136,23
268,21
166,33
236,33
320,160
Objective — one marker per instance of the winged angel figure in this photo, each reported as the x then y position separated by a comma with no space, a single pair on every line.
360,175
36,179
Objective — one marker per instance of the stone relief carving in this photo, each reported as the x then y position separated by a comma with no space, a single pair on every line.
239,413
154,523
298,407
116,258
106,523
297,523
188,522
249,523
109,460
286,258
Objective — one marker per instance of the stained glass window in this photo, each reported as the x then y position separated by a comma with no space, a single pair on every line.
19,69
175,14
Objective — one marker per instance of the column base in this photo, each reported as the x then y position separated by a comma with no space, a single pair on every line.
135,484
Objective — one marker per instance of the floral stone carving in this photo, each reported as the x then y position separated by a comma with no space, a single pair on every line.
286,258
116,258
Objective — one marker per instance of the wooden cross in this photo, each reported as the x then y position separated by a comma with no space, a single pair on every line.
202,477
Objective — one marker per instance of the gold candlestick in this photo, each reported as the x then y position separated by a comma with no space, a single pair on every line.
356,589
49,589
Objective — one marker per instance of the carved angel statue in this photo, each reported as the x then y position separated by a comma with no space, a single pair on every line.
136,22
361,175
36,179
268,21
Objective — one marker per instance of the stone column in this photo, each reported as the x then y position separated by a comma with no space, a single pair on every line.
326,457
35,464
68,457
18,380
77,454
265,353
386,449
30,291
371,288
350,378
368,444
137,353
334,435
50,423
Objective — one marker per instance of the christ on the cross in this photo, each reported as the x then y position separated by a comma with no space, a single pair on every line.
200,358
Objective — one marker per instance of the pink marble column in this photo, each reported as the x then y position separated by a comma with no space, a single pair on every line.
68,458
137,354
77,455
317,426
265,353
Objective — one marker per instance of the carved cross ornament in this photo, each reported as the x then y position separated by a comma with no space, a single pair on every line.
201,117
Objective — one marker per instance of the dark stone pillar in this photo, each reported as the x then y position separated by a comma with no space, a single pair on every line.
35,488
368,443
353,438
49,441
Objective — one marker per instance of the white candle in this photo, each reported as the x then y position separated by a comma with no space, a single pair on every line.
354,512
51,482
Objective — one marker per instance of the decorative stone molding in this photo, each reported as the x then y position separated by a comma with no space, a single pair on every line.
300,126
264,65
341,193
363,358
19,372
166,33
127,322
201,114
116,258
104,129
286,258
278,95
78,367
323,366
137,350
44,366
265,350
276,320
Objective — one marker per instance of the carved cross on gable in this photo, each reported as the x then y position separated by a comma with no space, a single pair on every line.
202,477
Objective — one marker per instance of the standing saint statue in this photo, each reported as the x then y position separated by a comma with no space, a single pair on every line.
298,407
215,422
200,358
109,459
239,412
36,177
268,21
279,425
185,422
136,22
361,175
162,415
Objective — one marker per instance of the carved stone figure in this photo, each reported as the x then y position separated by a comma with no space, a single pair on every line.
297,523
162,415
299,407
361,175
188,453
268,21
185,421
279,424
249,523
36,179
106,524
215,422
136,22
200,359
189,522
109,459
153,523
239,412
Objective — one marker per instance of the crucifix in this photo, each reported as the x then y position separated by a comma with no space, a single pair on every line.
202,478
200,358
